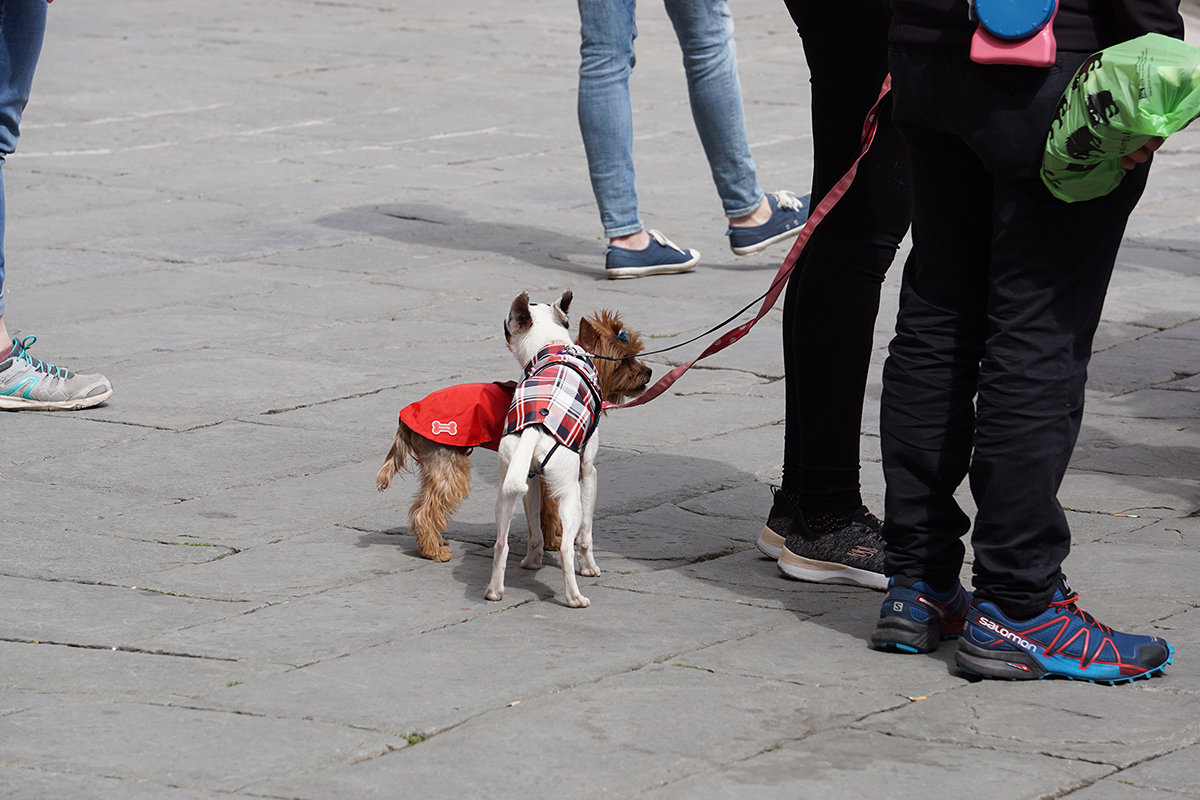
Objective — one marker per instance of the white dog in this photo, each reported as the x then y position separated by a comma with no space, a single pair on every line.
550,432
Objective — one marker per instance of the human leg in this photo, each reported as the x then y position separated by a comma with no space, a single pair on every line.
608,30
27,382
704,29
832,298
1051,264
930,376
1047,266
22,27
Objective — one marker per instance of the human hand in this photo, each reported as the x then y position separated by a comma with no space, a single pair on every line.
1142,154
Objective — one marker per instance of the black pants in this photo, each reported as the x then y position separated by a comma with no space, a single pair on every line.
999,304
832,297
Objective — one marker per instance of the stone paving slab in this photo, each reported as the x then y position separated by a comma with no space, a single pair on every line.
275,225
1173,774
189,748
531,650
860,764
91,615
78,674
37,782
639,714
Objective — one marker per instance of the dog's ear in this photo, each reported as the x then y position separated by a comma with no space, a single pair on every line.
589,337
562,307
519,318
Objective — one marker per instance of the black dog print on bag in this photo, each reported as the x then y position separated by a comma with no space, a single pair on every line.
1101,108
1083,144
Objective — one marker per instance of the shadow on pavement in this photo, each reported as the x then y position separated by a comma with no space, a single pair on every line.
447,227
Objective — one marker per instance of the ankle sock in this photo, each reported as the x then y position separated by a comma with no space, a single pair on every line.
7,350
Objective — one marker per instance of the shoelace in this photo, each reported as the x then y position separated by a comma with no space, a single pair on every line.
22,352
787,200
871,520
664,241
1068,604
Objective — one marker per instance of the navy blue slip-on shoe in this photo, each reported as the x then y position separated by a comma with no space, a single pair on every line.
788,215
1063,641
915,617
660,257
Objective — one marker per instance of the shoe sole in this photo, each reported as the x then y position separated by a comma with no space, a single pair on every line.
806,569
20,404
907,636
770,544
1015,665
765,243
619,273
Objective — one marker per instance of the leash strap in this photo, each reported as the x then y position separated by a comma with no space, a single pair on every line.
870,125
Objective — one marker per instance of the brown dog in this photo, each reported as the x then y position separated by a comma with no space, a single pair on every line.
445,470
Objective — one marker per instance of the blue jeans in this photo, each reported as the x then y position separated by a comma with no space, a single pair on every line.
705,32
22,25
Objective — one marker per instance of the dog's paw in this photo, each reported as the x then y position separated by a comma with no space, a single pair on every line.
435,552
589,572
578,602
492,594
529,562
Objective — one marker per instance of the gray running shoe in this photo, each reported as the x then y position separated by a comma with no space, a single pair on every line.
852,555
29,383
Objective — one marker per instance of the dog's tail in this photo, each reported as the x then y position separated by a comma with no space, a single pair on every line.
397,459
516,480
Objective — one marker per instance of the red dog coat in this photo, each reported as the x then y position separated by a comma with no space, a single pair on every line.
466,415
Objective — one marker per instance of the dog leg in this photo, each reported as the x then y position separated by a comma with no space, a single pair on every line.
571,513
587,491
506,504
551,527
533,550
562,476
445,482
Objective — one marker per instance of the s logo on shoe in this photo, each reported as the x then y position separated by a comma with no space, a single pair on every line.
445,427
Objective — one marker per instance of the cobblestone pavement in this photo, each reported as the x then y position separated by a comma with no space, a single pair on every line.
272,224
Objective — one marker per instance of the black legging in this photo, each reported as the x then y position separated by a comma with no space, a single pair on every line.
833,296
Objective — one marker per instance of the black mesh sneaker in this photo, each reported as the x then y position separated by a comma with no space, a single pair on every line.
852,555
779,525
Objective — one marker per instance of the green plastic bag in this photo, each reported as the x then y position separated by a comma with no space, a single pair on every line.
1119,98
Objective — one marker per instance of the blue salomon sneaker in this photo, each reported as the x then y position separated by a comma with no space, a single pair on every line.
788,215
914,617
660,257
1063,641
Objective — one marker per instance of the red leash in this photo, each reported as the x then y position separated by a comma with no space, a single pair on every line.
870,125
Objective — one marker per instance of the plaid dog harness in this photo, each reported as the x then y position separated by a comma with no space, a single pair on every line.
561,392
466,415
